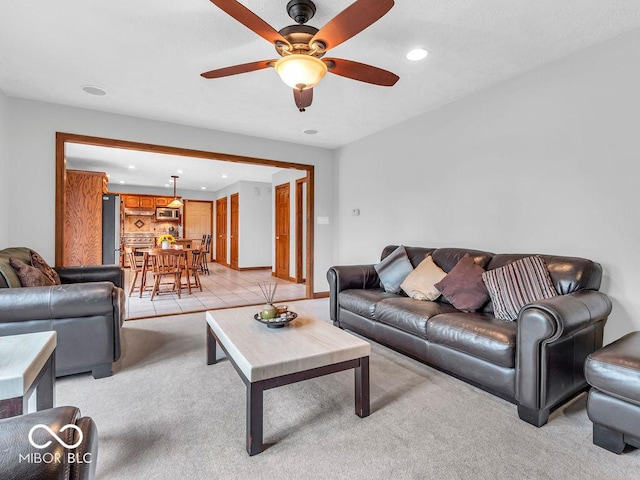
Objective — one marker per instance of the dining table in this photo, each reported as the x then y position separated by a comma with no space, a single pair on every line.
150,252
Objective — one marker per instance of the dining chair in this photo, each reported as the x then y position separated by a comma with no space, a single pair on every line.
168,262
193,268
134,269
206,249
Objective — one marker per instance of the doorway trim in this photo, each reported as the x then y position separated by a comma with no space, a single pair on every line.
62,138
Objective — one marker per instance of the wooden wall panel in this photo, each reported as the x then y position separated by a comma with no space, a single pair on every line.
83,218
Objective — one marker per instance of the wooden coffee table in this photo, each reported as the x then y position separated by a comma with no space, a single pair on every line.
272,357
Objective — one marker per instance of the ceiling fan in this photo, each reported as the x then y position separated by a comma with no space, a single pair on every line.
301,47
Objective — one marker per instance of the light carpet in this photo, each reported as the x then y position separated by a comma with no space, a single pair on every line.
165,414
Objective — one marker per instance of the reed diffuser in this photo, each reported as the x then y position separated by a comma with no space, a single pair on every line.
268,290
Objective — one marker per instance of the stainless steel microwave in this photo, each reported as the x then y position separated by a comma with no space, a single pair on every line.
167,214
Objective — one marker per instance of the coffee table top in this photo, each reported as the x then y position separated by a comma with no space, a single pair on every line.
305,343
22,358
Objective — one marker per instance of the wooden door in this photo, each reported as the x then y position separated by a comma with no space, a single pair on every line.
83,218
282,230
198,217
235,213
221,231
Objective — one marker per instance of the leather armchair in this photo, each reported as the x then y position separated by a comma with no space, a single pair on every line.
87,312
21,460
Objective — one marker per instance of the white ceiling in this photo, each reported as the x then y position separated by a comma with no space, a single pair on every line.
154,170
148,56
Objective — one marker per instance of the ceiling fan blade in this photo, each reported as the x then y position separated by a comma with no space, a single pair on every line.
236,69
351,21
250,20
303,98
361,72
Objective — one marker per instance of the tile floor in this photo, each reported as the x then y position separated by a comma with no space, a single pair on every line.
222,288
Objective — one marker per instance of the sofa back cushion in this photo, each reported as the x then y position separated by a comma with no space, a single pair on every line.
415,254
447,258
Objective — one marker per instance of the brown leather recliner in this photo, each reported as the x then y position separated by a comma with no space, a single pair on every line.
87,311
40,455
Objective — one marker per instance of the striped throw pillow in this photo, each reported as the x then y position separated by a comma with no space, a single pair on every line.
513,286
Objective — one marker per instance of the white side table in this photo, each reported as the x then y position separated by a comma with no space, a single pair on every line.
27,363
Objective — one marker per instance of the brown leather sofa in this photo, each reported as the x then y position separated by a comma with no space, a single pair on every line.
22,460
535,362
87,311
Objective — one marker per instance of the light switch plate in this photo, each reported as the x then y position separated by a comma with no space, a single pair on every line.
323,220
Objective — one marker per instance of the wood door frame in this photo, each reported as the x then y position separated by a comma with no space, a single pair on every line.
60,169
233,236
299,224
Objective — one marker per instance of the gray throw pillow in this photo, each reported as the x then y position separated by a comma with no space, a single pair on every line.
394,269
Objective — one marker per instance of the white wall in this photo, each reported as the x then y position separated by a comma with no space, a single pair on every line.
256,241
254,223
32,165
4,171
543,163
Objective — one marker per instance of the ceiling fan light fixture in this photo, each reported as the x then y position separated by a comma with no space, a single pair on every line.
301,71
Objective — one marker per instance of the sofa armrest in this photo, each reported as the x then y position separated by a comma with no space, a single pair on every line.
554,338
346,277
92,273
60,302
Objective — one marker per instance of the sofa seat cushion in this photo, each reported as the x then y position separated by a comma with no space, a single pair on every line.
476,334
408,314
361,301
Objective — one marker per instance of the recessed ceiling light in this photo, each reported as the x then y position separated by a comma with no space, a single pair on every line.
203,188
132,167
122,182
179,171
167,185
93,90
311,132
224,175
417,54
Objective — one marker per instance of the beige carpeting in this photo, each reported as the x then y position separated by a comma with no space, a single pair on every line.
165,414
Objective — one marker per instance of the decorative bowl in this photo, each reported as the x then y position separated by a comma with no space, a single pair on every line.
277,322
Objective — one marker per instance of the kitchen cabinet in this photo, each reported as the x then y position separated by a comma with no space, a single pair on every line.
163,201
145,202
131,201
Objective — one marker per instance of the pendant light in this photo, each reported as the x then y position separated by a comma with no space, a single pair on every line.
175,203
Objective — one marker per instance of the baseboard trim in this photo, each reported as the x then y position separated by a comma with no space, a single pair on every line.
321,295
245,269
